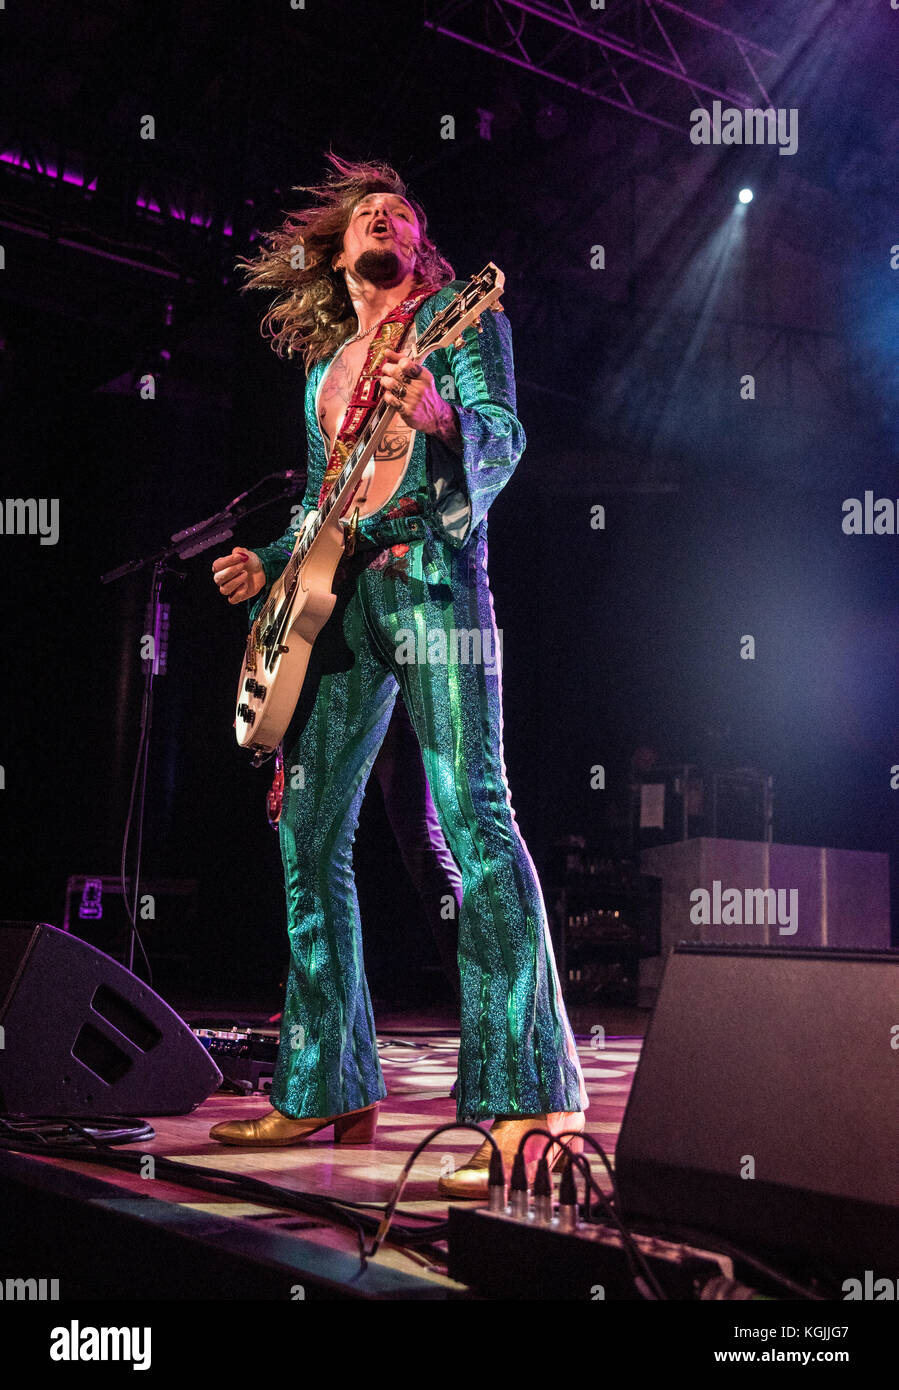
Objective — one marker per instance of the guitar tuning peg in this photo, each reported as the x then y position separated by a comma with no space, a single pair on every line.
498,309
459,342
478,324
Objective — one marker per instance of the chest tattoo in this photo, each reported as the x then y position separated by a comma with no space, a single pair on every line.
336,393
393,445
338,385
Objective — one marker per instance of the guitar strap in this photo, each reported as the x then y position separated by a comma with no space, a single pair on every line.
389,335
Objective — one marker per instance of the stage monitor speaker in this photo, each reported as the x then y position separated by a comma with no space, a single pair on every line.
81,1035
764,1105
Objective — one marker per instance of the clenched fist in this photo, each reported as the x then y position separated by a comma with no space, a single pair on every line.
239,575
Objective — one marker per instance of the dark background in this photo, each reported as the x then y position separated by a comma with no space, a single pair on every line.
723,516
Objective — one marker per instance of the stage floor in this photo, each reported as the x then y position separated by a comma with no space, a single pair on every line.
419,1066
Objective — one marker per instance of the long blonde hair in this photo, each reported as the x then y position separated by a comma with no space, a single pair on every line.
314,314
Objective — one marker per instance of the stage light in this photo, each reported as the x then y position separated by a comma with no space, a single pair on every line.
745,195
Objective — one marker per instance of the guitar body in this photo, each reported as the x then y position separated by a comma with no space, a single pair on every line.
302,600
271,680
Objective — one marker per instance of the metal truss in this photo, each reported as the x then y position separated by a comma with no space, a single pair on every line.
653,59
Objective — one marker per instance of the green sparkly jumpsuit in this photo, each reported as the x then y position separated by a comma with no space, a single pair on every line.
517,1053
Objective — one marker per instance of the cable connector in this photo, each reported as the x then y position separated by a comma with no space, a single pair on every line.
568,1220
543,1193
496,1182
518,1195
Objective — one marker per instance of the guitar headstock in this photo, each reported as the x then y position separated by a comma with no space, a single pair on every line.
482,292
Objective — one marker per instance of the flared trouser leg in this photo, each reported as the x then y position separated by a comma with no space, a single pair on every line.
328,1060
517,1052
426,857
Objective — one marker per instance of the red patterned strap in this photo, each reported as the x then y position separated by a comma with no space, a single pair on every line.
275,797
389,334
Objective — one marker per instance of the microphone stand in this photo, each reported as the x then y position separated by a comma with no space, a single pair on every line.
184,544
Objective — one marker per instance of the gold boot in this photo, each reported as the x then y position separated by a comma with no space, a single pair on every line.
471,1179
274,1130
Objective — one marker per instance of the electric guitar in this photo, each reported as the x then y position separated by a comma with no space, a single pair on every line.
300,602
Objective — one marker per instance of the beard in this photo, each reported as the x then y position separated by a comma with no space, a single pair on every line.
381,268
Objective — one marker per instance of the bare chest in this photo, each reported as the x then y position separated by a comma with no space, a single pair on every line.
334,396
337,388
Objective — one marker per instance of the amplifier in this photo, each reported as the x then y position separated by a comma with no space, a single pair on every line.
245,1057
506,1256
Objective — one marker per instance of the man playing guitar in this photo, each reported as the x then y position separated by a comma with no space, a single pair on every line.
416,562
